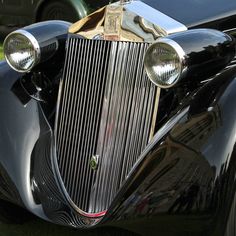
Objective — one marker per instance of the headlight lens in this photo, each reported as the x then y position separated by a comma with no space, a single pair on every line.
21,50
164,62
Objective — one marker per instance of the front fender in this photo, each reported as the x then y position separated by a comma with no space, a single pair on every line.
186,176
19,131
27,172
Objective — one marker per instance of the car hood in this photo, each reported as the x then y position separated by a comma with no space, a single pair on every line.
195,12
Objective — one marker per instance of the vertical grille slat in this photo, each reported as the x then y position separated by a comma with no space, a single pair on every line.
79,85
80,126
71,113
75,127
64,102
105,109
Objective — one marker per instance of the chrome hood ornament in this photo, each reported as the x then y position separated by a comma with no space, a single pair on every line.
125,1
126,21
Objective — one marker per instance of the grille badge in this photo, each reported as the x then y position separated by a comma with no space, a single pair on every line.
94,162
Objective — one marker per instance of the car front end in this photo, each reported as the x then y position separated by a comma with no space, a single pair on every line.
119,118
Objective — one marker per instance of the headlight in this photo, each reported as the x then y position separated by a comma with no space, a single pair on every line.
36,44
21,50
164,62
190,55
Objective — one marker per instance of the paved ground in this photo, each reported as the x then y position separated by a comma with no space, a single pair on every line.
36,228
41,228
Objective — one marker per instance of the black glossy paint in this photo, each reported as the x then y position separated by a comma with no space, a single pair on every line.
186,173
18,130
207,51
27,154
51,37
185,183
42,82
216,14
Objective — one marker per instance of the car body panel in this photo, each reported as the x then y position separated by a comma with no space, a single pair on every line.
193,13
196,12
186,178
171,179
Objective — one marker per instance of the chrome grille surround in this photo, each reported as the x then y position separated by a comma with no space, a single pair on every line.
105,109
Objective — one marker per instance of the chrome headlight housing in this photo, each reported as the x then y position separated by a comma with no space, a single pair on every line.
21,50
195,54
26,48
165,62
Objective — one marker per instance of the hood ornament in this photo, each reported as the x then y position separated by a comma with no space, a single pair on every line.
126,20
125,1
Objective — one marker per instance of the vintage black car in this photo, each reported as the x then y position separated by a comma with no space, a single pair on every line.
126,118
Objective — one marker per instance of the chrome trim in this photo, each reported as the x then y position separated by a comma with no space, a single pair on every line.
125,1
155,111
229,30
156,17
114,22
32,40
63,189
111,127
182,57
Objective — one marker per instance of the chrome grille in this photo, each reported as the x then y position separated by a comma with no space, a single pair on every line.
105,109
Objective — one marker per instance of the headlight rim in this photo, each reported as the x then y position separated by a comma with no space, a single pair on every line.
34,43
182,59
